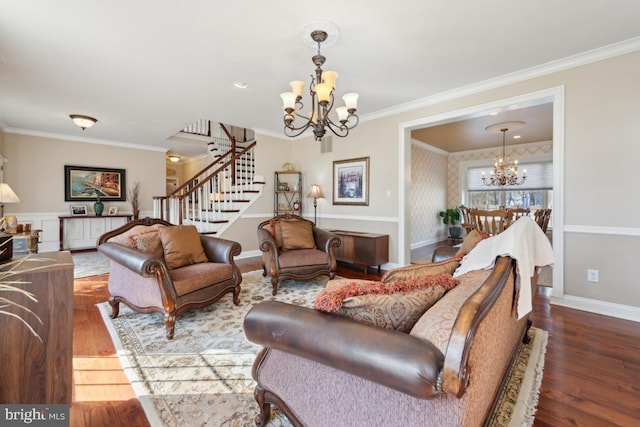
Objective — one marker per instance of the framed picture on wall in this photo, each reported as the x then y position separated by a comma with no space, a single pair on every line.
351,182
84,184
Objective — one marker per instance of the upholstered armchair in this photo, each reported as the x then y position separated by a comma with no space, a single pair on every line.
156,266
294,248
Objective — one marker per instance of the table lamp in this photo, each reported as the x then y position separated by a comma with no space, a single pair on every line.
7,195
315,193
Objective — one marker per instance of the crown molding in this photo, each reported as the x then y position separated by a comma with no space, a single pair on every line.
588,57
41,134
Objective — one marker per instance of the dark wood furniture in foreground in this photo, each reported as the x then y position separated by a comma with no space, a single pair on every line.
362,248
33,371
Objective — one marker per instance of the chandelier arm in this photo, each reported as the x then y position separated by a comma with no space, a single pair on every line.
293,132
339,131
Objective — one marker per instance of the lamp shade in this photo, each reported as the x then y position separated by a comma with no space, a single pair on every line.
7,195
315,192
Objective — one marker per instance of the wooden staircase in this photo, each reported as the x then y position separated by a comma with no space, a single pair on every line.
216,196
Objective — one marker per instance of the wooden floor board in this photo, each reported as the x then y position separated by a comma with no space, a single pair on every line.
591,375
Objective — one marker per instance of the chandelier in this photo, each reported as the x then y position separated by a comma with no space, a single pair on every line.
322,89
504,171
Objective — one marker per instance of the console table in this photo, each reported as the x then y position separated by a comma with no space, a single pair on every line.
82,231
361,248
33,371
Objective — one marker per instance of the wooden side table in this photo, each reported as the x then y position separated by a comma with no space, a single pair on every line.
363,249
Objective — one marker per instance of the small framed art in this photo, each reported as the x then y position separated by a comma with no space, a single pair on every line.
351,182
78,210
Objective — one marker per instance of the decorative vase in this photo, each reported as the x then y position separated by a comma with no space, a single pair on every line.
98,207
136,213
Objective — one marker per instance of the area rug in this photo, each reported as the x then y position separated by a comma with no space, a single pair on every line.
90,263
203,376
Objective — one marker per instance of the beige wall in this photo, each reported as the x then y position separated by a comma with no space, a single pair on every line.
35,170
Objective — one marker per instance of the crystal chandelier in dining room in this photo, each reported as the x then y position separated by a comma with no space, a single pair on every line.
322,91
505,172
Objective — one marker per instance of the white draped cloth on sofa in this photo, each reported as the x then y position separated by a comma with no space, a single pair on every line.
523,241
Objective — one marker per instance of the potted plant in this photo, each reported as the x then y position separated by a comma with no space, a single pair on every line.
453,217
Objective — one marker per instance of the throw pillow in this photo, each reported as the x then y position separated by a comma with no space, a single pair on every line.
297,235
148,242
411,272
473,238
181,245
396,305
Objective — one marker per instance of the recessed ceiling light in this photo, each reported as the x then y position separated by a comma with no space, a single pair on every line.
517,136
240,85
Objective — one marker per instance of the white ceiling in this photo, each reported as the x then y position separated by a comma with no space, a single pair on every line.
147,68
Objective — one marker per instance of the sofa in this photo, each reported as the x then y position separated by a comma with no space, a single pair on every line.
324,368
156,266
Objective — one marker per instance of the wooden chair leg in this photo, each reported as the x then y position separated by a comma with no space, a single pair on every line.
115,307
236,295
274,284
264,416
170,324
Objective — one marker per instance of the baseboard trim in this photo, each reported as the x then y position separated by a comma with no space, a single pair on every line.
611,309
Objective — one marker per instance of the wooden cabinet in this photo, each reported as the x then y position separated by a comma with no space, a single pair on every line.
34,371
362,248
287,196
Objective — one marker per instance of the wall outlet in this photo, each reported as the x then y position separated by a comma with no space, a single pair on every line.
593,275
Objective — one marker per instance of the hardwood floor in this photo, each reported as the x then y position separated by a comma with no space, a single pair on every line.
591,373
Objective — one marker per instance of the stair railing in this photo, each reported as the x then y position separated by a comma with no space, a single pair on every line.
210,193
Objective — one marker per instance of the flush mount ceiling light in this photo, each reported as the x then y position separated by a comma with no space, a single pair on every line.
504,171
321,90
83,122
174,158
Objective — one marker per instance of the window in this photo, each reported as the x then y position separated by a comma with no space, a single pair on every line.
535,193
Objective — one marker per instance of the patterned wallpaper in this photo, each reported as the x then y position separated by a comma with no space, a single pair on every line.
427,194
435,184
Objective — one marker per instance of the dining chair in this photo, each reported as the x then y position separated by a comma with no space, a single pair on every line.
542,217
517,213
491,222
467,221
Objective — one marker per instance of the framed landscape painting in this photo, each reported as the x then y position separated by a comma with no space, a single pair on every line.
83,183
351,182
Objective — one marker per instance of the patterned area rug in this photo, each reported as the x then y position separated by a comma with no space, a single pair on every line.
90,263
203,376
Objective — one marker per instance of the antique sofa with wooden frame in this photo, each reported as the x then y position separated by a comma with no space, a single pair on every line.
145,279
327,369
